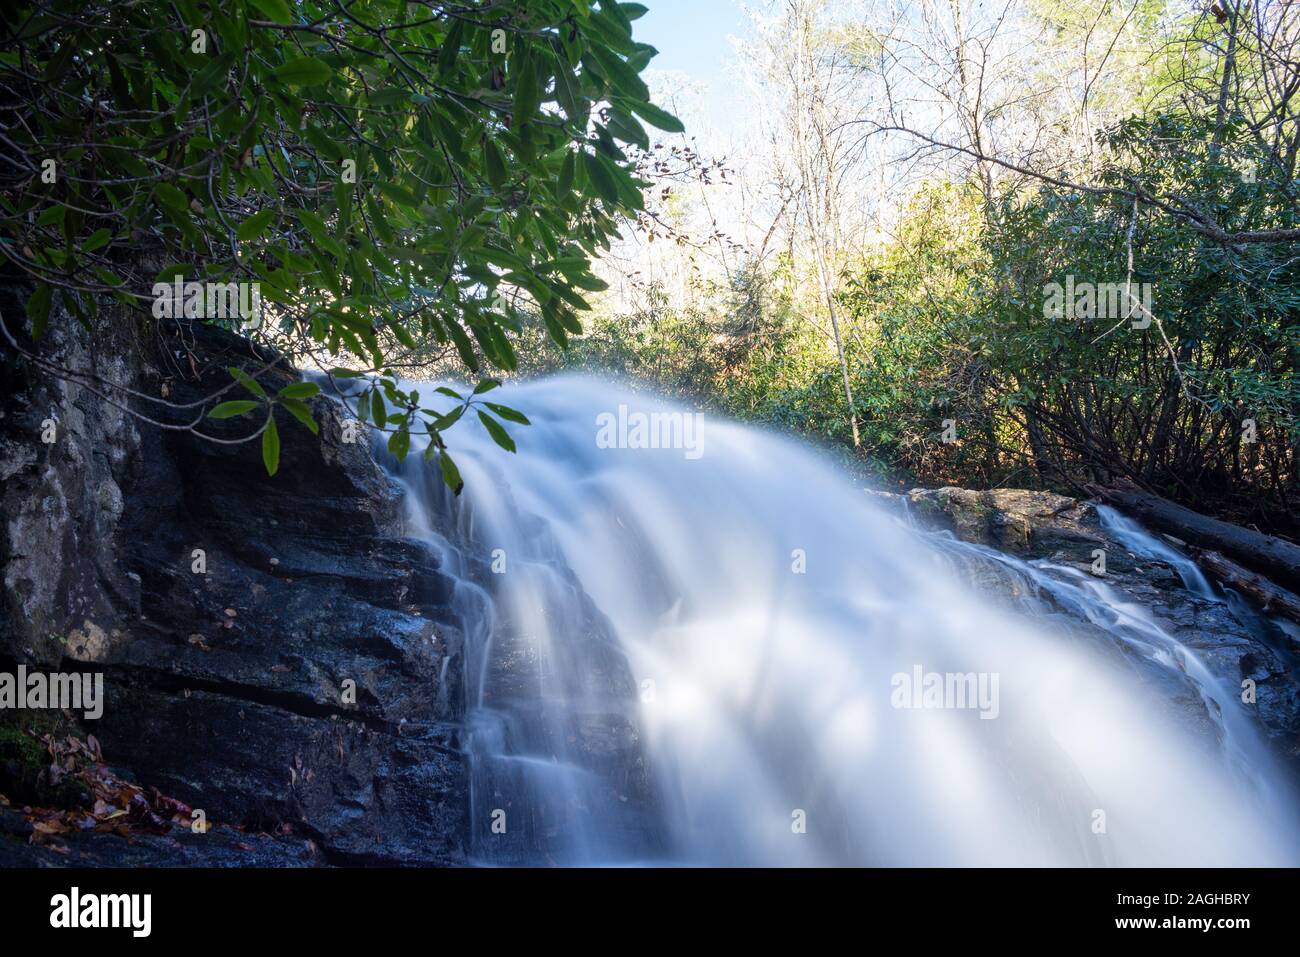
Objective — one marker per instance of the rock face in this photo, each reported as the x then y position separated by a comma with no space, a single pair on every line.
1231,639
1026,523
64,456
276,651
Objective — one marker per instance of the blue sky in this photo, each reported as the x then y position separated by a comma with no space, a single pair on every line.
691,36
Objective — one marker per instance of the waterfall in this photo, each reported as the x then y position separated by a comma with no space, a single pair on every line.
1141,542
808,681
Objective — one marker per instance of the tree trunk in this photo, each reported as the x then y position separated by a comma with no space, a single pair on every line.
1271,599
1271,556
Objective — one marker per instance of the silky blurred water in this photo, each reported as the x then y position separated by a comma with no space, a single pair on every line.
773,617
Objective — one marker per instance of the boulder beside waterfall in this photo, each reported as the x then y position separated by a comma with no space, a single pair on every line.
278,654
1235,641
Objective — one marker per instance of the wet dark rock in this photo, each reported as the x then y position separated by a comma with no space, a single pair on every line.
303,671
1233,640
276,651
181,847
13,824
1026,523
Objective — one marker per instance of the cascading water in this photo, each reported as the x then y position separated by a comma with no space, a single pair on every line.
775,622
1136,539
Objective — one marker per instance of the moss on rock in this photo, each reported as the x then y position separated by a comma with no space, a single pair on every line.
25,763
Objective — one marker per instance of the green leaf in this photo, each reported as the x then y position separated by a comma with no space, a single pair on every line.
507,413
589,282
618,14
254,225
315,225
38,309
399,443
402,334
567,95
322,142
271,447
109,278
300,411
567,171
450,49
640,58
247,381
627,129
463,346
389,95
527,89
422,107
274,10
499,434
97,240
172,197
443,422
450,474
494,163
228,410
660,119
52,216
622,77
610,31
398,194
299,390
304,71
601,177
486,386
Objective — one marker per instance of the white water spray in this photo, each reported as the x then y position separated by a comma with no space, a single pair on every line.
767,611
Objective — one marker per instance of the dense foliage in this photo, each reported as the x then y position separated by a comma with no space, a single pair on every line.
420,187
383,170
962,366
948,326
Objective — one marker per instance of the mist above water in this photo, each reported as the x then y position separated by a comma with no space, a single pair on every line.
815,683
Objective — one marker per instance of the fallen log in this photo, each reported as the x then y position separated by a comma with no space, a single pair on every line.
1268,555
1270,598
